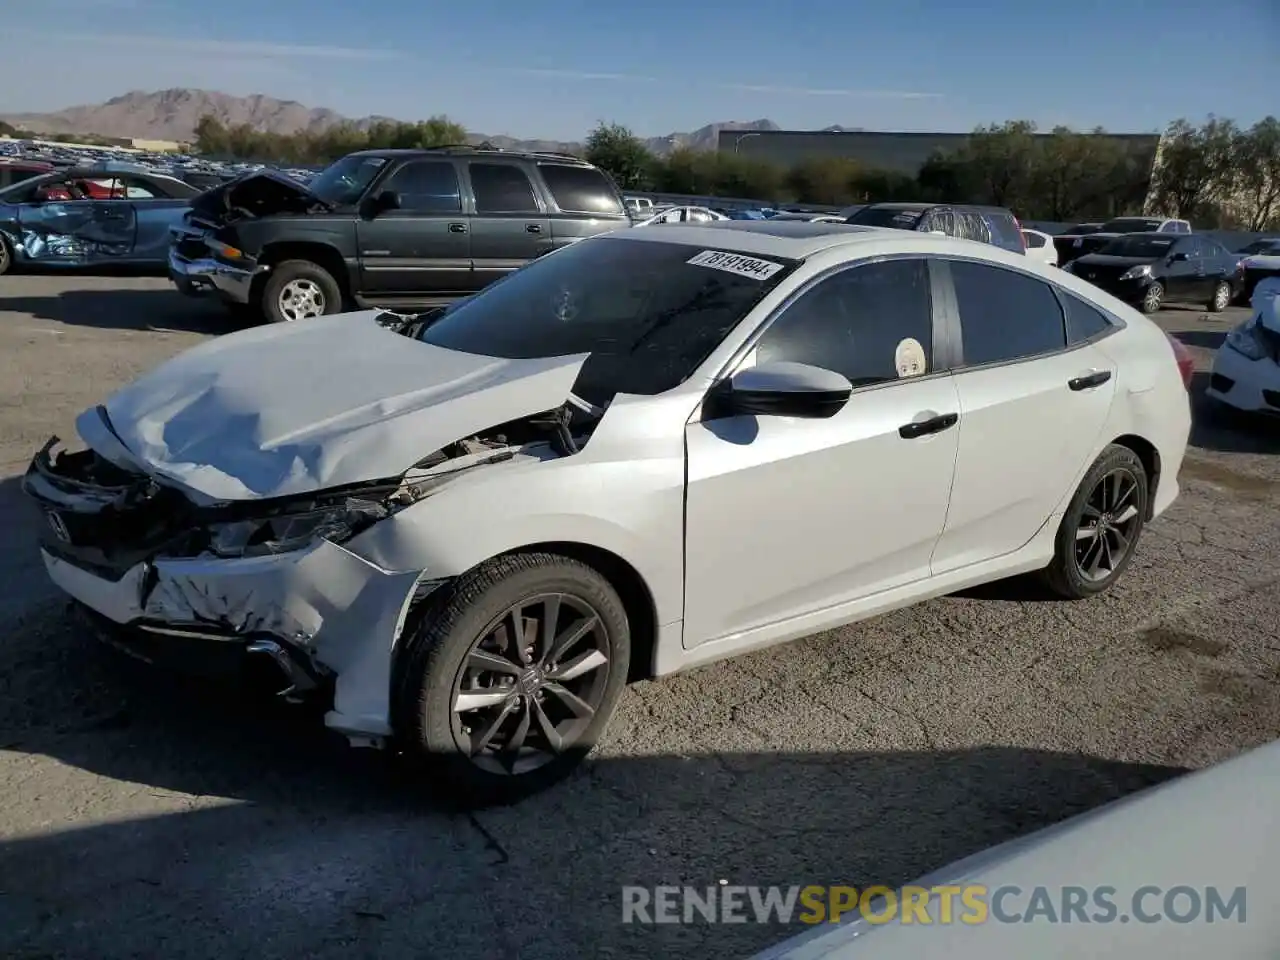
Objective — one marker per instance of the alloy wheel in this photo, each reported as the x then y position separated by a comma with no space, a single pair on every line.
301,299
531,685
1221,296
1153,298
1105,532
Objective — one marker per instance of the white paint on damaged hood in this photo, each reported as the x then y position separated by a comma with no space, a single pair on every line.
300,407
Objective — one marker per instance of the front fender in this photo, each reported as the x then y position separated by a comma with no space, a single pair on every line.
631,508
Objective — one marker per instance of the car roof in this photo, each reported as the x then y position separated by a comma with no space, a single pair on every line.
1153,235
920,206
798,240
462,150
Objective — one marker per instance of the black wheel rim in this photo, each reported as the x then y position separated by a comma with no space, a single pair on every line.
531,685
1108,525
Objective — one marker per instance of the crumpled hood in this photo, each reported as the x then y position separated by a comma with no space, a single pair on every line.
260,194
296,408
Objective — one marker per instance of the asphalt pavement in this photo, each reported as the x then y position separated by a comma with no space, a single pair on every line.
148,817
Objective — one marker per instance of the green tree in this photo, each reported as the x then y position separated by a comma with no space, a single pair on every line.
1258,156
1194,165
616,150
1000,161
825,180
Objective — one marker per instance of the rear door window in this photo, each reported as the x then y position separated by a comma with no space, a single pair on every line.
502,188
580,189
1005,315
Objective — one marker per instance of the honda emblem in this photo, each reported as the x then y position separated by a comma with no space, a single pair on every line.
59,528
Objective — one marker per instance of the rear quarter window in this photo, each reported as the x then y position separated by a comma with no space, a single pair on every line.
581,189
1004,231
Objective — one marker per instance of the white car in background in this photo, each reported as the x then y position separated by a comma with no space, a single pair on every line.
1246,369
1040,246
683,214
645,452
1209,843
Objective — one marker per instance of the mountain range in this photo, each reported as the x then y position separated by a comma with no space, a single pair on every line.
173,114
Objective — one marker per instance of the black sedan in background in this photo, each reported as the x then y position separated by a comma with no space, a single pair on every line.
1150,269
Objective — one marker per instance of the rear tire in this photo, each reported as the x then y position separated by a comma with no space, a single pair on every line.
1153,299
458,653
6,257
299,290
1098,534
1221,298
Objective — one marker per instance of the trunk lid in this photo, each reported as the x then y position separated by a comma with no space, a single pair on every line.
292,409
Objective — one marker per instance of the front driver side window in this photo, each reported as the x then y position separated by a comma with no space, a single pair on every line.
872,323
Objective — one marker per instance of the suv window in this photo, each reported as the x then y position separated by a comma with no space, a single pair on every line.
888,217
1084,322
1004,230
1005,315
502,188
580,189
427,186
872,323
1033,240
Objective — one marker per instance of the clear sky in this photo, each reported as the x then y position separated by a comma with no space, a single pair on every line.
553,68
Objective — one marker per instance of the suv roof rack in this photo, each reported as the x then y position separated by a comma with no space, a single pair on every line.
548,155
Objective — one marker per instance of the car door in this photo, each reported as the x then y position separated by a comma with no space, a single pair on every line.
77,229
792,516
510,226
422,246
1183,276
1031,410
1219,264
154,211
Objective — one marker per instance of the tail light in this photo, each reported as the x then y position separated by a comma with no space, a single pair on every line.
1186,362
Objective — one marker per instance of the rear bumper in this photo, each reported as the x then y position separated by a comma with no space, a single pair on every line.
195,277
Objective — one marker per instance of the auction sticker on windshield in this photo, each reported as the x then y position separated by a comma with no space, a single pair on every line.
743,266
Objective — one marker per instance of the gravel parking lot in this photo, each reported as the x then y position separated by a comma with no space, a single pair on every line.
148,817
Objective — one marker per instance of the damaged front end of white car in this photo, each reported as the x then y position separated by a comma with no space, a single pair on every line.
209,525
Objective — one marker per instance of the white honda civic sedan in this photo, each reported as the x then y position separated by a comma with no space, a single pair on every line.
638,454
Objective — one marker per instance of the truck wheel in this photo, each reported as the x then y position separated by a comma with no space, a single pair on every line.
299,290
509,680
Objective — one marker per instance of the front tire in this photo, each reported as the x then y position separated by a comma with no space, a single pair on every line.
510,677
1221,298
6,257
299,290
1153,299
1102,526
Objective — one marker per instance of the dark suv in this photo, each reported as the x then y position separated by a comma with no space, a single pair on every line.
387,227
993,225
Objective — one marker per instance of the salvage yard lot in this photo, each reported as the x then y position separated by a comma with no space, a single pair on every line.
148,817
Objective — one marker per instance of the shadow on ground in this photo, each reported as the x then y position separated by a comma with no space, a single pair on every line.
252,835
127,309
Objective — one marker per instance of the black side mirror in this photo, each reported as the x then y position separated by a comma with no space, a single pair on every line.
782,389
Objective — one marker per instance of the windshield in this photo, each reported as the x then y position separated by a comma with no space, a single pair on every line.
1131,225
1151,247
886,217
343,182
647,313
1262,246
